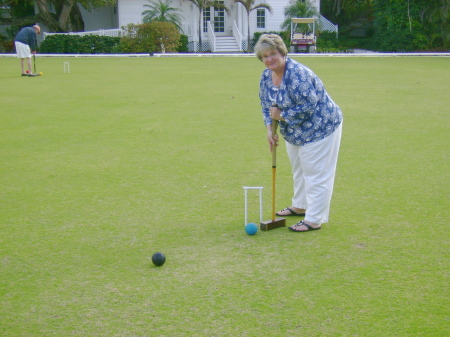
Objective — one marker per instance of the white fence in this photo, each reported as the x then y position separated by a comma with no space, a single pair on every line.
102,32
327,25
117,32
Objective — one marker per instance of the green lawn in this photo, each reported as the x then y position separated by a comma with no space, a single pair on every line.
124,157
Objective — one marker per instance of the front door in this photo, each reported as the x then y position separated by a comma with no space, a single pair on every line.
219,21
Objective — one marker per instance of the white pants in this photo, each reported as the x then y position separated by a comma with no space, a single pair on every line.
23,50
313,170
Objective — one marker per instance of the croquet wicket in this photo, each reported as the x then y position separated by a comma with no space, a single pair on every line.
246,188
66,67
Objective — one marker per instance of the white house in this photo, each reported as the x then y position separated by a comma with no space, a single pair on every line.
220,32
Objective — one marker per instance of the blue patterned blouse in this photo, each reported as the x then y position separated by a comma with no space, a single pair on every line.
309,111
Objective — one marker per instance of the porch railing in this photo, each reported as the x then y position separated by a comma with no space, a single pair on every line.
327,25
237,35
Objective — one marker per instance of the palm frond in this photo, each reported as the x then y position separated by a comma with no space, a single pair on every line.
162,11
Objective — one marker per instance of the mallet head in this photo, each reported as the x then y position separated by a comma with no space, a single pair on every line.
272,224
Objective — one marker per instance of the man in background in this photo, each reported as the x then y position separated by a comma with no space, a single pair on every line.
26,44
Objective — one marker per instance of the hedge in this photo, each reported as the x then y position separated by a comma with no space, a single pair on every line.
75,44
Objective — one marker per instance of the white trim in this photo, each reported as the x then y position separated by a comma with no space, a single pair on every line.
244,55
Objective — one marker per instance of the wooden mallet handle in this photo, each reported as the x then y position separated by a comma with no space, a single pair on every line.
274,166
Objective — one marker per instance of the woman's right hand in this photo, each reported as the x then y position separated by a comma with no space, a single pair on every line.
272,139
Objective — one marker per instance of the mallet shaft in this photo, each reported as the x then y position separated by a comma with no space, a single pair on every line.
280,222
274,167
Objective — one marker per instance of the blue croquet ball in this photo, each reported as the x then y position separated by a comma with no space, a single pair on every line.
251,228
158,259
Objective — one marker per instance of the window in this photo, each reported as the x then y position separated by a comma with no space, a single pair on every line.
219,20
206,18
261,18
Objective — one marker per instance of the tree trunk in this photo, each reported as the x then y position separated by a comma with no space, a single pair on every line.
67,18
76,19
409,18
46,17
337,7
64,16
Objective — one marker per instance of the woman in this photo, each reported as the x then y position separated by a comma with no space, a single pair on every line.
311,124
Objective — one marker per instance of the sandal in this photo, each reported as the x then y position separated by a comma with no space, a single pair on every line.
296,227
292,213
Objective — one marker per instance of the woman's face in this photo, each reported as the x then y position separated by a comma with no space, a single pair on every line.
273,60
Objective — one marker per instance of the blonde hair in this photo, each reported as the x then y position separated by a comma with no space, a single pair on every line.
268,42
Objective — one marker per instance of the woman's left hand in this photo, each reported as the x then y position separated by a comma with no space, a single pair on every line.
275,113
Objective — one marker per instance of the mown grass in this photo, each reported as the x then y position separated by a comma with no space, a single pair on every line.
124,157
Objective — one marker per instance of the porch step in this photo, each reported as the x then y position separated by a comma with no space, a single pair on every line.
226,44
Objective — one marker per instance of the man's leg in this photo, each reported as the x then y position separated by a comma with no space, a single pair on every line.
29,65
22,65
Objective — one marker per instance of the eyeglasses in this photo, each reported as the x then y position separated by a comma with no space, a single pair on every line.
271,55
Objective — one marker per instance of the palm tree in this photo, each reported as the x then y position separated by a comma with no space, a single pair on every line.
298,9
440,15
250,6
202,5
161,11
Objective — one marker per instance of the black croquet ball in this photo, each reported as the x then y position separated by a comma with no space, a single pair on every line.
158,259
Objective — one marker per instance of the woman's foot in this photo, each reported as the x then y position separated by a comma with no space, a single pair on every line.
304,226
291,211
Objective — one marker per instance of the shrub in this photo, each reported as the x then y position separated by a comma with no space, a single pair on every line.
7,41
399,41
74,44
150,37
165,36
94,44
327,42
60,44
184,41
7,46
134,40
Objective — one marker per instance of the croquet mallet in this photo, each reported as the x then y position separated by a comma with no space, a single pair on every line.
34,63
278,222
